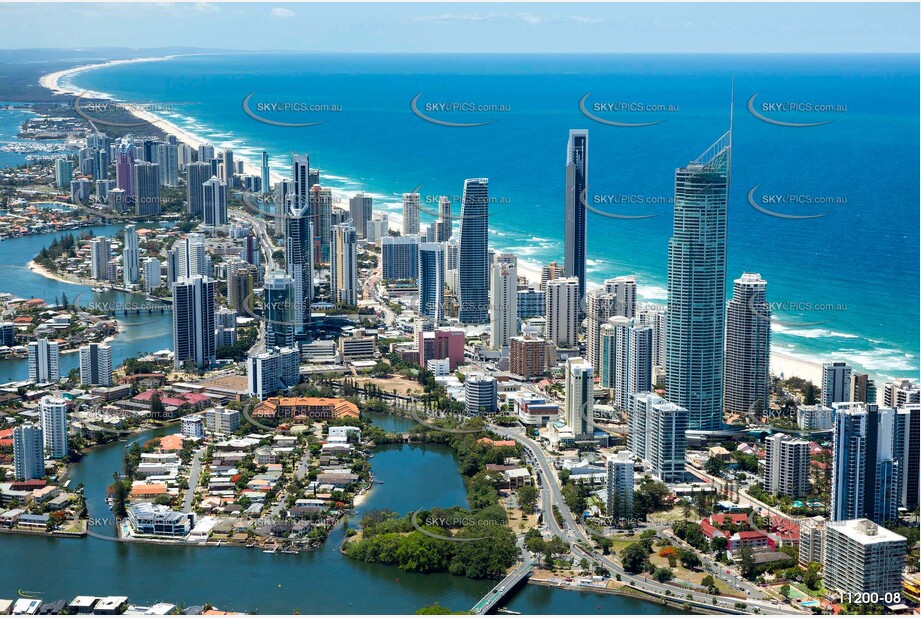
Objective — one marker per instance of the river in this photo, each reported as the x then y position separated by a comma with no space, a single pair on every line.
140,334
323,581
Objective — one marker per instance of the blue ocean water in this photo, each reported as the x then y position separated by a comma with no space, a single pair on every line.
850,278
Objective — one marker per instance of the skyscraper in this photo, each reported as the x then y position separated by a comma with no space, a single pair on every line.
344,265
786,465
836,383
124,169
503,304
265,172
361,211
131,268
551,271
562,312
697,287
193,321
153,274
278,296
167,157
63,173
616,298
473,275
197,175
191,257
580,400
28,452
228,168
321,212
400,257
748,347
574,224
431,280
44,361
100,254
147,188
620,485
411,213
299,246
214,202
868,455
444,225
53,415
96,364
241,278
630,353
667,425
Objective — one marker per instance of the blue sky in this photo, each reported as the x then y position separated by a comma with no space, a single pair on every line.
470,27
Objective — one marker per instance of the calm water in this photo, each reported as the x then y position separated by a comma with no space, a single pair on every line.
243,579
377,145
140,334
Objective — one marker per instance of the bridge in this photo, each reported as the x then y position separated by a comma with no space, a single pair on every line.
501,590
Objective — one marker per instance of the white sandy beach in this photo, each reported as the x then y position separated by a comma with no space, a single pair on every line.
780,363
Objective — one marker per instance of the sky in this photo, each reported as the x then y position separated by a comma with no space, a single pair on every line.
469,27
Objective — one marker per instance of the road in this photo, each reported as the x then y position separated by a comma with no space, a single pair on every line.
551,493
744,498
194,475
268,262
504,587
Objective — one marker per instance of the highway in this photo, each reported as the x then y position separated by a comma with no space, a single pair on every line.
551,493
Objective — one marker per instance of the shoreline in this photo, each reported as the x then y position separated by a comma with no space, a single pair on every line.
780,363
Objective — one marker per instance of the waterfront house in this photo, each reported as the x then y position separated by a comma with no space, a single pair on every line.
156,519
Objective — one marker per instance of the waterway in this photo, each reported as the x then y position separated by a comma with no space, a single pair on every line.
140,334
323,581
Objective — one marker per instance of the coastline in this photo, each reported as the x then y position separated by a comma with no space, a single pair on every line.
781,363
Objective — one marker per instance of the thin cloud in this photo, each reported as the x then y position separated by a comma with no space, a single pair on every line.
281,13
527,18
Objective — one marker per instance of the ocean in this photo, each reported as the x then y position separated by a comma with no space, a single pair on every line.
844,285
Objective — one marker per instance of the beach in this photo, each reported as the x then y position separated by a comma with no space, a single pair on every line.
789,366
57,83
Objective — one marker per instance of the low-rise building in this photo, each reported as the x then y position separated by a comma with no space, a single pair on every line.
155,519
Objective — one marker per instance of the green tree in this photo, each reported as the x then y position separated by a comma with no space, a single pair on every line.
635,558
527,498
663,575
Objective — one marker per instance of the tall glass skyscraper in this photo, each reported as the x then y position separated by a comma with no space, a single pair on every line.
473,275
299,243
265,172
278,292
697,287
574,226
431,280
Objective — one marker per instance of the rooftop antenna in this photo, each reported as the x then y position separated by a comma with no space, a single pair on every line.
732,94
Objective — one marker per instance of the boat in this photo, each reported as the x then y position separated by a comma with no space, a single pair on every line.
99,290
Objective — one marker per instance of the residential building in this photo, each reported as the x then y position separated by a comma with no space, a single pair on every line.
222,421
503,308
863,388
63,173
580,398
147,189
344,265
214,202
193,322
786,465
100,254
53,417
574,204
814,417
96,364
44,361
28,452
748,347
241,278
473,269
527,356
299,262
619,467
551,271
411,213
279,310
130,257
697,287
812,541
616,298
151,519
197,174
273,370
153,274
562,312
863,558
626,359
431,280
868,459
361,211
480,394
444,225
900,393
193,427
531,303
836,383
400,257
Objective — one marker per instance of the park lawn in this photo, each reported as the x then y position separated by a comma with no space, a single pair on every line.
694,577
674,514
